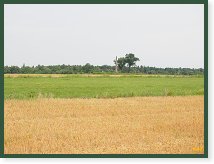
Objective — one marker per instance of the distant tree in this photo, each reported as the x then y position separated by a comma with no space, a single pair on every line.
42,69
6,69
131,60
26,69
14,69
46,70
87,68
120,62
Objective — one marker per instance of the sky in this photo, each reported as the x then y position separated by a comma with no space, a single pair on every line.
160,35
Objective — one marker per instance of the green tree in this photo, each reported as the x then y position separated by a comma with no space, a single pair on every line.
131,60
120,62
88,68
7,69
14,69
26,69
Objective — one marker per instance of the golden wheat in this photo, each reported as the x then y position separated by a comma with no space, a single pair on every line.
139,125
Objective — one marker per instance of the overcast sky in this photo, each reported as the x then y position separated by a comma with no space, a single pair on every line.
160,35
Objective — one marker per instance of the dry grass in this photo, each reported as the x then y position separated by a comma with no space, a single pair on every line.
34,75
122,125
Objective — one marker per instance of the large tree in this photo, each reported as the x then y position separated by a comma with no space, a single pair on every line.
131,60
120,62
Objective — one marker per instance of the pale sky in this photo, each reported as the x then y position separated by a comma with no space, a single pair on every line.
161,35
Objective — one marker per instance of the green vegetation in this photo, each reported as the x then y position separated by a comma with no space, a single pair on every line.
73,86
126,64
129,59
88,68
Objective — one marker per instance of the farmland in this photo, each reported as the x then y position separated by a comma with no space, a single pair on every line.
122,125
80,86
103,114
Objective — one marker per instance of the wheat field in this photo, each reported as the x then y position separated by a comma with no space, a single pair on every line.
139,125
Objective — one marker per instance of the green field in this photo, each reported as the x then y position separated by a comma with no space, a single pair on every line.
101,87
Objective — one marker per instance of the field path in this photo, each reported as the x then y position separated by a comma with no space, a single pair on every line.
139,125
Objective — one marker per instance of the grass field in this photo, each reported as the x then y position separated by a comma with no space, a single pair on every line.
139,125
89,86
103,114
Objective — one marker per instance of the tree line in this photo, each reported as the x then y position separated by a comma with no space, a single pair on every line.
88,68
126,64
